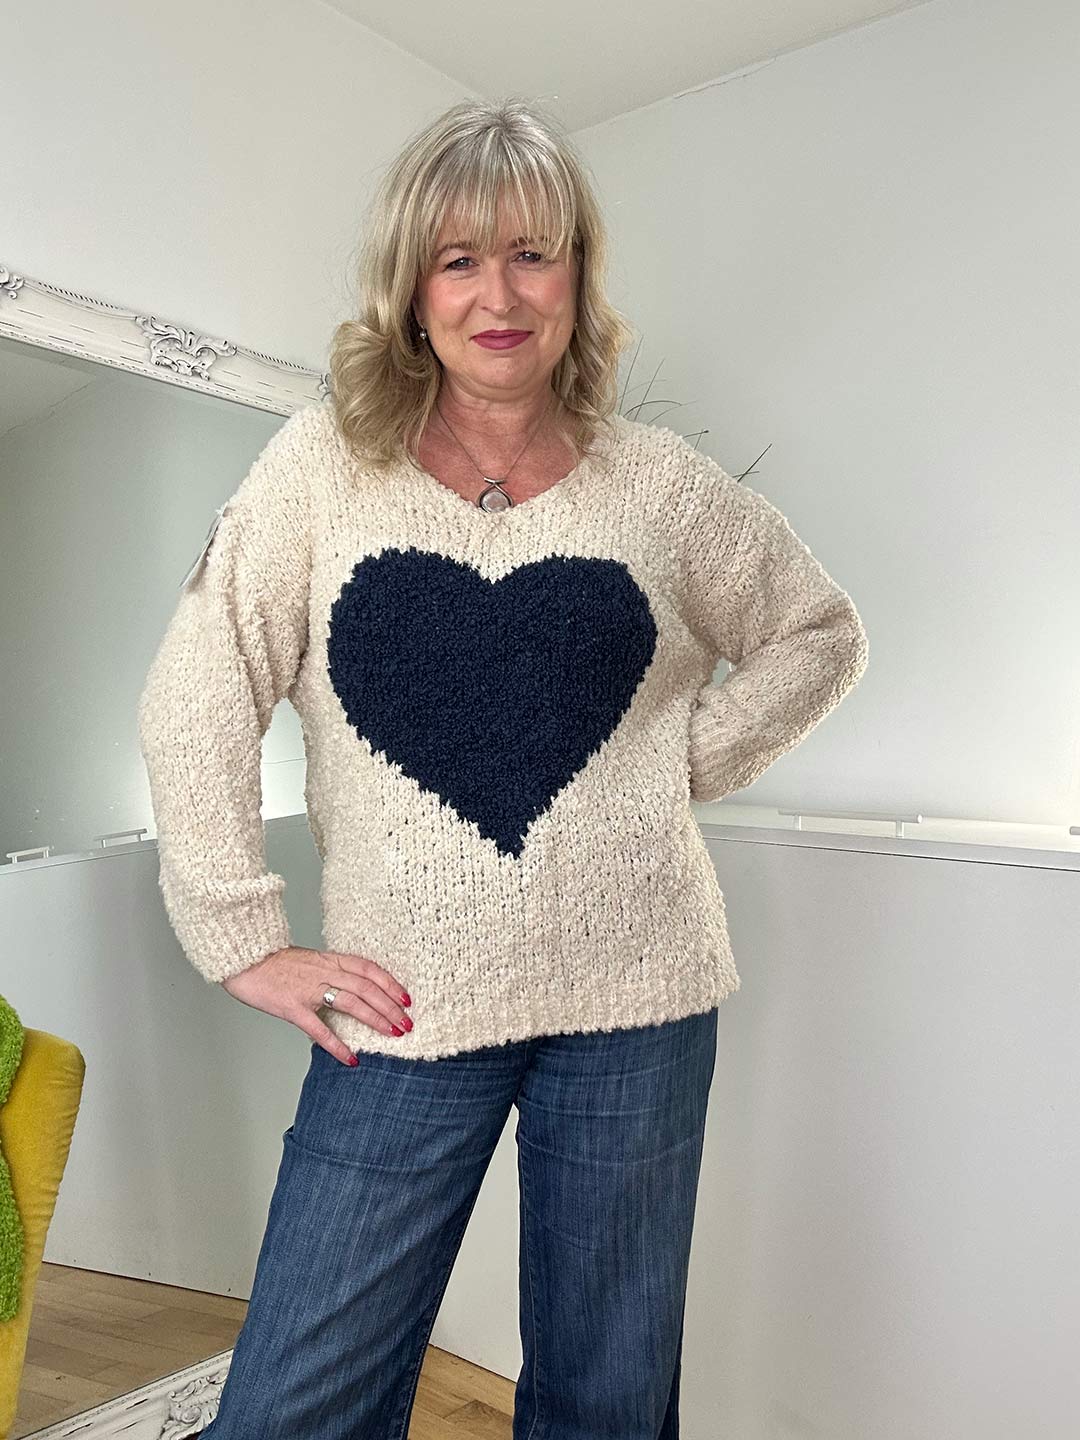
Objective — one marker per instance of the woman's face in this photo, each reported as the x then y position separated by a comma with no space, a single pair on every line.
520,287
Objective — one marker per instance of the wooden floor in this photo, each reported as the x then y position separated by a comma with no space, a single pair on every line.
95,1336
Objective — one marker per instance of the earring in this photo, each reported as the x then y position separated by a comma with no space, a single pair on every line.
423,333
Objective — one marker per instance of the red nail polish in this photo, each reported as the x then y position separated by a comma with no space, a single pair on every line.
405,1000
353,1060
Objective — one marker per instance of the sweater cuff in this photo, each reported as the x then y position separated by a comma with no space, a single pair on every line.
717,766
230,926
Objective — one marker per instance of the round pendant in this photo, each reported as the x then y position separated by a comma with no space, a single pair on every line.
494,499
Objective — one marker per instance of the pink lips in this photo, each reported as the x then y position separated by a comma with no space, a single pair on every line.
502,339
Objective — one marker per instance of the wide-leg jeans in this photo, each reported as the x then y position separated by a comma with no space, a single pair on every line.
378,1178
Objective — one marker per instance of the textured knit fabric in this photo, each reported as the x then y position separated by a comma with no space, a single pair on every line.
12,1235
505,717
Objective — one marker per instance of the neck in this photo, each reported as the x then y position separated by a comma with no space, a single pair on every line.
505,423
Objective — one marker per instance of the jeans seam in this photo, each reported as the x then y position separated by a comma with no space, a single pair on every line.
532,1302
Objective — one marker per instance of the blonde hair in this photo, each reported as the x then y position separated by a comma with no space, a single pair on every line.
384,377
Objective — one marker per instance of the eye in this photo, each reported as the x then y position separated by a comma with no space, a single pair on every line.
454,263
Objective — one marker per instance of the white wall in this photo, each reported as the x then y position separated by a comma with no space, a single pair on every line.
864,255
210,162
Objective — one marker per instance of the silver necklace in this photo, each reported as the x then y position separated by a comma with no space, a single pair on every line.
493,497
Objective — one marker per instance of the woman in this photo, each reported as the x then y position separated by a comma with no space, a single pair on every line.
497,606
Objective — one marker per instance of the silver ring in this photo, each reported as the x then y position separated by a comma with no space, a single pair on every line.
329,996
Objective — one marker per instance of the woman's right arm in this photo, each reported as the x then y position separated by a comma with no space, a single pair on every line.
231,651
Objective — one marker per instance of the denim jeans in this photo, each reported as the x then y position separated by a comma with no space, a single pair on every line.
378,1178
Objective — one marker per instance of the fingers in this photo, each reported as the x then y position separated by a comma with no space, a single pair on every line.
382,997
369,970
282,985
324,1036
373,1007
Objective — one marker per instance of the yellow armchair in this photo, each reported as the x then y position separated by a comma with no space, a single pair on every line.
36,1125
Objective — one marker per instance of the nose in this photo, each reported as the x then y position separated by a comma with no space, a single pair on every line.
500,295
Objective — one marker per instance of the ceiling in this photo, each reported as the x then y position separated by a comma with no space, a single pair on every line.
587,62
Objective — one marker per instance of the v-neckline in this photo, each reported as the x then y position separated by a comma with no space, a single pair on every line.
560,492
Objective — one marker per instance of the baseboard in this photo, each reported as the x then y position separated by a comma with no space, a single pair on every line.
172,1408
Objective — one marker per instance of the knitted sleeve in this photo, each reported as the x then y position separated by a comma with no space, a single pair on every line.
759,599
231,650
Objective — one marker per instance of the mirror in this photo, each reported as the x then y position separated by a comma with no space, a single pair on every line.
109,484
109,478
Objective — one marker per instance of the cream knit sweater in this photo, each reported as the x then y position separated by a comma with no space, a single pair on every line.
505,716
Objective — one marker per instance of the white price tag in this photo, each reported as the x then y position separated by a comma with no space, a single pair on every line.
201,557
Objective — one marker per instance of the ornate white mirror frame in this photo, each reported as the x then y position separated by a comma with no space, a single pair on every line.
57,319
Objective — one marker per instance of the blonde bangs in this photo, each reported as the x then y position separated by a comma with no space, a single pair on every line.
466,199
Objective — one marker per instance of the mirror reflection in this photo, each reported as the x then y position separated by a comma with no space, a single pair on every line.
108,483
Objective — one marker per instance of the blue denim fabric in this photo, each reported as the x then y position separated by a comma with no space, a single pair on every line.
380,1172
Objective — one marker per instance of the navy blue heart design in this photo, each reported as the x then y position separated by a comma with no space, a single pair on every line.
490,694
